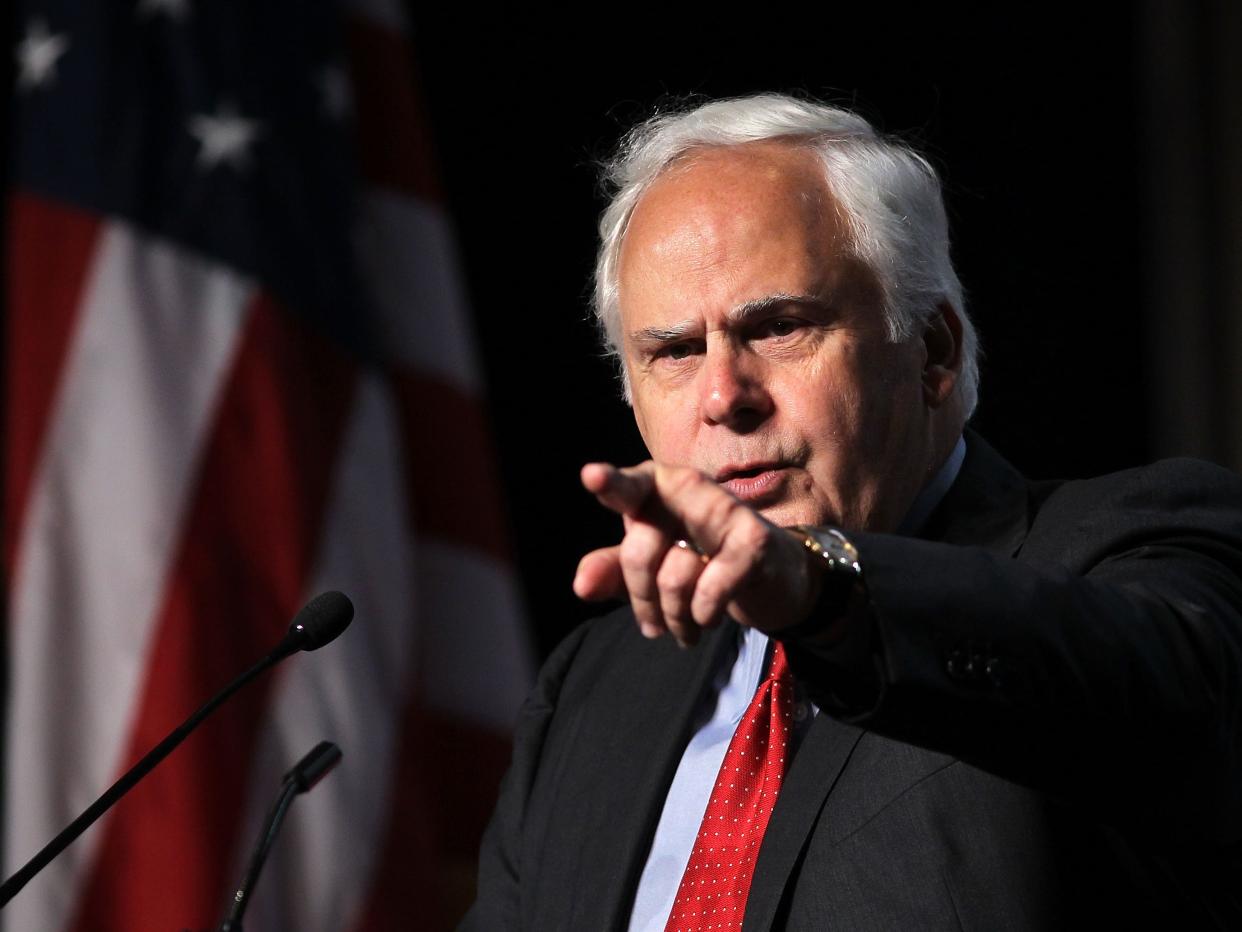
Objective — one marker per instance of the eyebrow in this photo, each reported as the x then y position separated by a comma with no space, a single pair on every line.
737,316
744,313
678,331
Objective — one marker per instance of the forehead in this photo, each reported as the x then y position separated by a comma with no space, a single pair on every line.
724,224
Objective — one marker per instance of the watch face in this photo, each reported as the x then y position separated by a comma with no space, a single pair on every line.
839,553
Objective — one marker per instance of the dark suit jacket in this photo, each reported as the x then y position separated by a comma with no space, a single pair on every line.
1042,729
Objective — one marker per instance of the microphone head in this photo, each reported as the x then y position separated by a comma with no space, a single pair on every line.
321,620
314,766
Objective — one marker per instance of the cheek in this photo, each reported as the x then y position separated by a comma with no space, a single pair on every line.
853,408
825,402
665,428
886,383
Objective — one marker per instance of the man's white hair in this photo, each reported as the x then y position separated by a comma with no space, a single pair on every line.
889,193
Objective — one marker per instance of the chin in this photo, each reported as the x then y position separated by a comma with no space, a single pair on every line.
788,514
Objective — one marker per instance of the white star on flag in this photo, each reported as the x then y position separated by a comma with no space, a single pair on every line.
37,55
224,137
174,9
336,91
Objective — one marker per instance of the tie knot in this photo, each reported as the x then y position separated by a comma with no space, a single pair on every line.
780,663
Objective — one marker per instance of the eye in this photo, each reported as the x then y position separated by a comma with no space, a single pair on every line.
677,351
780,327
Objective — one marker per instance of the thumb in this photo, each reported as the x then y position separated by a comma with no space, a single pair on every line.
599,575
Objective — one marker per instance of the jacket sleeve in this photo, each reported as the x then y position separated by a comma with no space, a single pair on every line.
1104,665
498,904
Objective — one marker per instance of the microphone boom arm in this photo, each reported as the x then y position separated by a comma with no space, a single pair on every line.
135,773
319,622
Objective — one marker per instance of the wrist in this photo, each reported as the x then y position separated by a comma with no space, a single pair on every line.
834,578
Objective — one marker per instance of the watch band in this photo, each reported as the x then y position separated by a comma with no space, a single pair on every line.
837,557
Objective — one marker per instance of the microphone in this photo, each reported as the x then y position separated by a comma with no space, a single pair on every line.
319,622
313,767
305,774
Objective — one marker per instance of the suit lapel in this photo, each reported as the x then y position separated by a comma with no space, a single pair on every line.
987,506
818,763
648,724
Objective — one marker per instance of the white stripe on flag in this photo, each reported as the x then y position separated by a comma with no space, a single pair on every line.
476,661
421,319
351,692
156,333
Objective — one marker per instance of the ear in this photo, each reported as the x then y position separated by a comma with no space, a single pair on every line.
942,340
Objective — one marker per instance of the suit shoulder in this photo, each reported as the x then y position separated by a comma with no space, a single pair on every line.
1187,474
601,633
590,642
1166,485
1178,498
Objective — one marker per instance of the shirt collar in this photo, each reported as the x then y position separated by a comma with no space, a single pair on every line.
933,492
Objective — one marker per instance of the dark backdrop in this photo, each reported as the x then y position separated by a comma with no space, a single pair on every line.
1033,116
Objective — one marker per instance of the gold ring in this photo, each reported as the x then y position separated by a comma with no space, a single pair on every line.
690,545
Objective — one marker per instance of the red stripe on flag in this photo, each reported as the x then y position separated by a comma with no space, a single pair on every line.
239,575
50,252
451,465
445,785
394,145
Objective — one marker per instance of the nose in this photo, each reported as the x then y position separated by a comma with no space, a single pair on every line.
732,388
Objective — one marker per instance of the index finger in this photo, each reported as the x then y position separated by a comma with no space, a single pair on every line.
625,491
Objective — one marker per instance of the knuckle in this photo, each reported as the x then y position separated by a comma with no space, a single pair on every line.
674,609
681,479
751,541
671,576
717,510
756,532
634,555
646,608
710,590
705,611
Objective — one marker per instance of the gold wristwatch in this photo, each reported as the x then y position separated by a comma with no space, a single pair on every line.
836,556
832,548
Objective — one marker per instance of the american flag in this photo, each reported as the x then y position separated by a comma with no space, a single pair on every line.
240,371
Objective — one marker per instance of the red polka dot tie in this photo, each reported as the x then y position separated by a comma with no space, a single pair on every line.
714,887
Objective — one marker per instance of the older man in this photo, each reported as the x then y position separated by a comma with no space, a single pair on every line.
929,693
